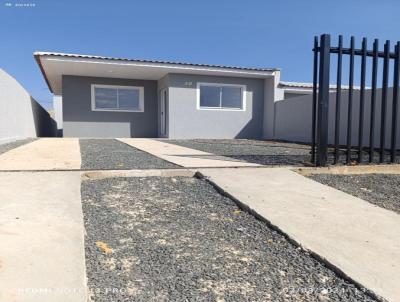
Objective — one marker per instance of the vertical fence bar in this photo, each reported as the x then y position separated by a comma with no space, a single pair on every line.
362,99
350,104
384,100
338,98
373,99
395,102
314,99
323,100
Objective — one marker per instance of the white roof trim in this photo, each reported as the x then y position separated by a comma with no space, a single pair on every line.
69,55
298,86
54,65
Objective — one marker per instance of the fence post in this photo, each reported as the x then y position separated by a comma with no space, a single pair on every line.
362,99
350,102
314,99
338,99
323,100
385,80
395,106
373,100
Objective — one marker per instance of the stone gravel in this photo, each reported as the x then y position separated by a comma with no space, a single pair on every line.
354,157
382,190
178,239
15,144
105,154
253,151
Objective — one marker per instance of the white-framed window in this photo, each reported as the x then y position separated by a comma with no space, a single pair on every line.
213,96
117,98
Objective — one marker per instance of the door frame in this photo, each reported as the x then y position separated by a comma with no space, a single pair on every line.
163,112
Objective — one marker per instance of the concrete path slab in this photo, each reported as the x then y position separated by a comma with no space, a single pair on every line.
41,237
101,174
43,154
182,156
358,238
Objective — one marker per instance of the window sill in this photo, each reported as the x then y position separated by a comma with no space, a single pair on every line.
116,110
221,109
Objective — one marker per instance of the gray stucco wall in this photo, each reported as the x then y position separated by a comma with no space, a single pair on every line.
271,93
80,121
288,94
186,121
44,124
293,118
162,83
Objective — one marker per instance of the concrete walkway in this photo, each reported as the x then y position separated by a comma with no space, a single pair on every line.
182,156
41,225
43,154
41,237
360,239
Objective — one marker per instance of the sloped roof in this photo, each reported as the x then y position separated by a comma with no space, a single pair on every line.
59,54
54,65
301,85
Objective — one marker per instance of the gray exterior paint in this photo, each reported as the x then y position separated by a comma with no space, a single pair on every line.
186,121
163,83
271,93
80,121
289,94
293,118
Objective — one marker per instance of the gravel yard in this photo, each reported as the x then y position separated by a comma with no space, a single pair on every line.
178,239
112,154
12,145
382,190
253,151
354,157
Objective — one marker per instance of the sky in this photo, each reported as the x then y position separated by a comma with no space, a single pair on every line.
251,33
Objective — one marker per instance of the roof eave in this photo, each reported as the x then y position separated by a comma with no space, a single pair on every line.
43,58
39,62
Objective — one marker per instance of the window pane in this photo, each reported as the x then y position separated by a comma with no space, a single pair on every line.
105,98
128,99
209,96
231,97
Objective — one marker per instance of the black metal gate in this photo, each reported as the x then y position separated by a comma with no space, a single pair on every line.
374,133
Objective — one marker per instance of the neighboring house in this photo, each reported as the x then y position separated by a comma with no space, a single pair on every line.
296,89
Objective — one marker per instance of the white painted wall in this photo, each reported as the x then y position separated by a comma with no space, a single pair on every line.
58,113
20,115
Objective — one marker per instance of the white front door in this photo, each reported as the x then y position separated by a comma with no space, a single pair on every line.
163,112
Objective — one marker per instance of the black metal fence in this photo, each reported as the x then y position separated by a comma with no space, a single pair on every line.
328,149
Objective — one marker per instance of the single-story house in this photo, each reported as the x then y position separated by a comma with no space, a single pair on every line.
114,97
296,89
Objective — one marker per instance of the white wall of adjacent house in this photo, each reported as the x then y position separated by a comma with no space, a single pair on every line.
293,118
20,115
57,106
